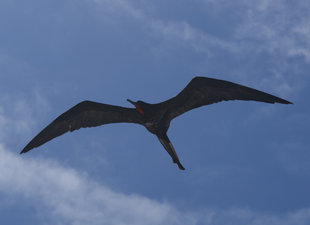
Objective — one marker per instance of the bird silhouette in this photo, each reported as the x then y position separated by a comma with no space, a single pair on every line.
156,118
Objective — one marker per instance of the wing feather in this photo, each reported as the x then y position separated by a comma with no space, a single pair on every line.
204,91
84,114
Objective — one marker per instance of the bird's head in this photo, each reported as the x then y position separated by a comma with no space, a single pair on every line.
139,106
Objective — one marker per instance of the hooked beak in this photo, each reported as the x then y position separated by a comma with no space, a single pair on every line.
137,106
131,102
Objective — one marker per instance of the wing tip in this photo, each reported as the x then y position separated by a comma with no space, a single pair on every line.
283,101
22,152
290,103
26,149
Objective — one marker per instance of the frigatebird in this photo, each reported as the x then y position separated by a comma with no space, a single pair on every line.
156,118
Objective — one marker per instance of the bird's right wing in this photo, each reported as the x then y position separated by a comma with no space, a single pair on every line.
84,114
204,91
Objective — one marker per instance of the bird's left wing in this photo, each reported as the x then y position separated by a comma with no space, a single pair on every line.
204,91
84,114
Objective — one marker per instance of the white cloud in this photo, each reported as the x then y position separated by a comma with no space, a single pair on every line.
179,31
197,39
17,113
65,196
269,26
62,195
77,199
275,28
119,6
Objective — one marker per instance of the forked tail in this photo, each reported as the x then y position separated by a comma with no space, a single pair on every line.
164,140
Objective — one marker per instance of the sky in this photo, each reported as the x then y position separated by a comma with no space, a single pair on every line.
247,163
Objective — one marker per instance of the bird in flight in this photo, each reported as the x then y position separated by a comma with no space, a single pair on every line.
155,118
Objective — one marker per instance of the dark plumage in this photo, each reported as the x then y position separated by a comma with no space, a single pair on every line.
155,117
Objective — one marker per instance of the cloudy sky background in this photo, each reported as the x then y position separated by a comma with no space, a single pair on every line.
246,162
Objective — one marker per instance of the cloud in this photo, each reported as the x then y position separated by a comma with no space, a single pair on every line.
265,26
265,29
76,199
65,196
17,113
179,31
275,26
197,39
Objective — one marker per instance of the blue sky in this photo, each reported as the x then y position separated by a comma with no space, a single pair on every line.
246,162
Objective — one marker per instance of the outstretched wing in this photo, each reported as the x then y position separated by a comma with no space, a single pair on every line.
204,91
84,114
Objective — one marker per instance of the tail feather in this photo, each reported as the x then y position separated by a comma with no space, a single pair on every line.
164,140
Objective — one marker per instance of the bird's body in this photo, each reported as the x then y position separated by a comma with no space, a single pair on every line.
155,118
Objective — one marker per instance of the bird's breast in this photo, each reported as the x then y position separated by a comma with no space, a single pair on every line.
156,127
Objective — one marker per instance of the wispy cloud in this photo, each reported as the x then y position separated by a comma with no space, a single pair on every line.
267,26
273,28
65,196
76,199
17,113
176,31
